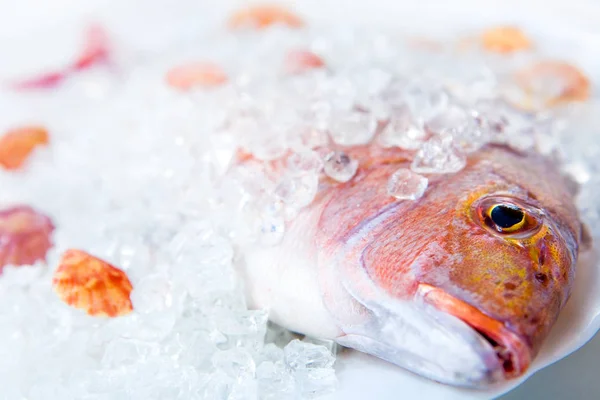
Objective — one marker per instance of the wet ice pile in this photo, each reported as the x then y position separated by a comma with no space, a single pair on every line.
143,176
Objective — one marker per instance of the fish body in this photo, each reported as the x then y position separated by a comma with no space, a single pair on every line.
461,285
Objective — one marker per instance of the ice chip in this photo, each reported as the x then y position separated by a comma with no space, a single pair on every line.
272,229
218,386
316,382
152,294
298,191
402,131
405,184
237,363
121,351
275,381
349,128
424,100
339,166
271,352
246,389
330,345
193,348
302,355
305,162
244,329
438,156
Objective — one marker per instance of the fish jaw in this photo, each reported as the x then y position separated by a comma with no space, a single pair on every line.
512,350
426,341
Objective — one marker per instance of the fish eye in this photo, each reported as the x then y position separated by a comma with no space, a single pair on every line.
508,216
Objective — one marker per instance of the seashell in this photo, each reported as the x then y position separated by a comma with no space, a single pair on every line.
555,81
196,74
93,285
263,16
505,39
17,145
24,236
299,61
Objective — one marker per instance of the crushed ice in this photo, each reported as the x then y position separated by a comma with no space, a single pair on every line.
144,176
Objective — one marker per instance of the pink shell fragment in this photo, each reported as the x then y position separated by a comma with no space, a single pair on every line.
300,61
95,51
25,236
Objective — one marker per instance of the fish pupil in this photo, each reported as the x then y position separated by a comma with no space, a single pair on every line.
506,216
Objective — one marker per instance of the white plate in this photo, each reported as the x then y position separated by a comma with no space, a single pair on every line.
568,29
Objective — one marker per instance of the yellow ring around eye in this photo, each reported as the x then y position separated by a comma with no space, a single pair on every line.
512,228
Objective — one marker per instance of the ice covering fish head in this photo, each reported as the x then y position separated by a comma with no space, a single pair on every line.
462,285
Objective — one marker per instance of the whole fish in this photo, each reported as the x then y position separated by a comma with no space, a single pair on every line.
461,286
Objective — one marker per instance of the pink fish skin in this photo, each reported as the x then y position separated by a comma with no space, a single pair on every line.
461,286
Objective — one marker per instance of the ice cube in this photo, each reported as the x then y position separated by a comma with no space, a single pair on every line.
339,166
237,363
298,191
316,382
305,162
122,351
405,184
275,381
464,125
425,100
348,128
302,355
272,222
312,368
193,348
329,344
438,156
402,131
152,294
271,352
217,387
244,329
278,335
246,389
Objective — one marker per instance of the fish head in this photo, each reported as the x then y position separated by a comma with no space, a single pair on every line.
511,250
488,254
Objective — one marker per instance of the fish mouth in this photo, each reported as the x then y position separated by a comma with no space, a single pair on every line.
514,355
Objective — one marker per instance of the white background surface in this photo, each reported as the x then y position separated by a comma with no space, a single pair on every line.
569,29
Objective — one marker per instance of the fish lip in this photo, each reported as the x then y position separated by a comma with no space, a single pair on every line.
512,349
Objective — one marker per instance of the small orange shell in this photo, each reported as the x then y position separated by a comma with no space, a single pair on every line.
263,16
24,236
196,74
568,82
425,44
93,285
299,61
505,39
18,143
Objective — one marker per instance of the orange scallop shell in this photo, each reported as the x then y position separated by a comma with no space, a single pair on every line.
299,61
263,16
505,39
93,285
18,143
573,83
24,236
196,74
